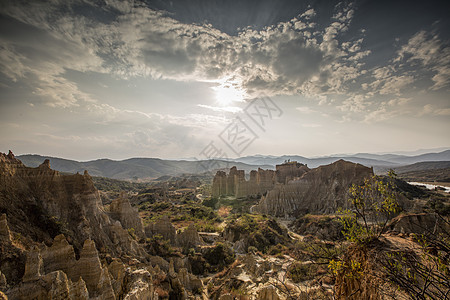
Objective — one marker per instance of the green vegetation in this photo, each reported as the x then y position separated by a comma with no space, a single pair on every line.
241,205
423,273
114,185
158,246
372,206
204,218
438,204
219,256
259,231
299,272
424,276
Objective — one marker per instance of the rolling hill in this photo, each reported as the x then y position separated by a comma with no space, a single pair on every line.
135,168
151,168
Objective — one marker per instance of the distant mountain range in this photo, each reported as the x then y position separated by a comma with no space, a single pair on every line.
367,159
151,168
135,168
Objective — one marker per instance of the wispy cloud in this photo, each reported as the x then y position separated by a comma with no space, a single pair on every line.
232,109
289,58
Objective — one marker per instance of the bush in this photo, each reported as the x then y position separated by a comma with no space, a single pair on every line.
219,257
157,246
299,272
372,206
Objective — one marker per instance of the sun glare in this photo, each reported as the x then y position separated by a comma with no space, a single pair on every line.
227,93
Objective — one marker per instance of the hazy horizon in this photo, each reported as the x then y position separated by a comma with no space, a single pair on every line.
209,79
405,153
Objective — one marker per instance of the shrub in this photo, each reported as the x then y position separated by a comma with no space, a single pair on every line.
299,272
372,205
219,256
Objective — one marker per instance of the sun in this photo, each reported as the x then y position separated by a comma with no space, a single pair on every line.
227,93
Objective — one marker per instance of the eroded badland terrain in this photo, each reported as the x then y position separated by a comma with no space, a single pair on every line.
331,232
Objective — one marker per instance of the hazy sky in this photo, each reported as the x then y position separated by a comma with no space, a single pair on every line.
171,79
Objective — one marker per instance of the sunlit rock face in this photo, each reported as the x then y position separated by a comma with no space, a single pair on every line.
55,273
289,171
260,181
320,190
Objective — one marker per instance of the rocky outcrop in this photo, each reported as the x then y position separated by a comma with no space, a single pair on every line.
268,293
289,171
320,226
235,184
54,285
162,227
189,281
121,210
90,269
60,257
5,234
423,223
41,203
249,231
34,266
139,286
320,190
189,238
261,181
54,273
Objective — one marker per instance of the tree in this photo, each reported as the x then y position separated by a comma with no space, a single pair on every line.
372,206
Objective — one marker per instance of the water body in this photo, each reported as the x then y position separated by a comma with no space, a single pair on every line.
431,186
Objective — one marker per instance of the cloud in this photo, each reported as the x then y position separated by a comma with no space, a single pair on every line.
305,110
430,53
232,109
311,125
288,58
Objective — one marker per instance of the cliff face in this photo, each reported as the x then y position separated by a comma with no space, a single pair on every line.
121,210
188,238
41,203
260,181
289,171
320,190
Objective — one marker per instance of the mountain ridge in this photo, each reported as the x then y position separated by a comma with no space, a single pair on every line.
141,168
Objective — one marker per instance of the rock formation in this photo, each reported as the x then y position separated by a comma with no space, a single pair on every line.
260,181
58,242
423,223
162,227
42,203
189,238
5,234
268,293
322,227
289,171
54,285
320,190
121,210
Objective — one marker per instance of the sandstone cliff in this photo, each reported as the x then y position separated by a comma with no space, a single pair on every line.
121,210
260,181
55,273
41,203
189,238
320,190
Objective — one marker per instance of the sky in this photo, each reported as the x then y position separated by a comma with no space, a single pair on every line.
215,79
